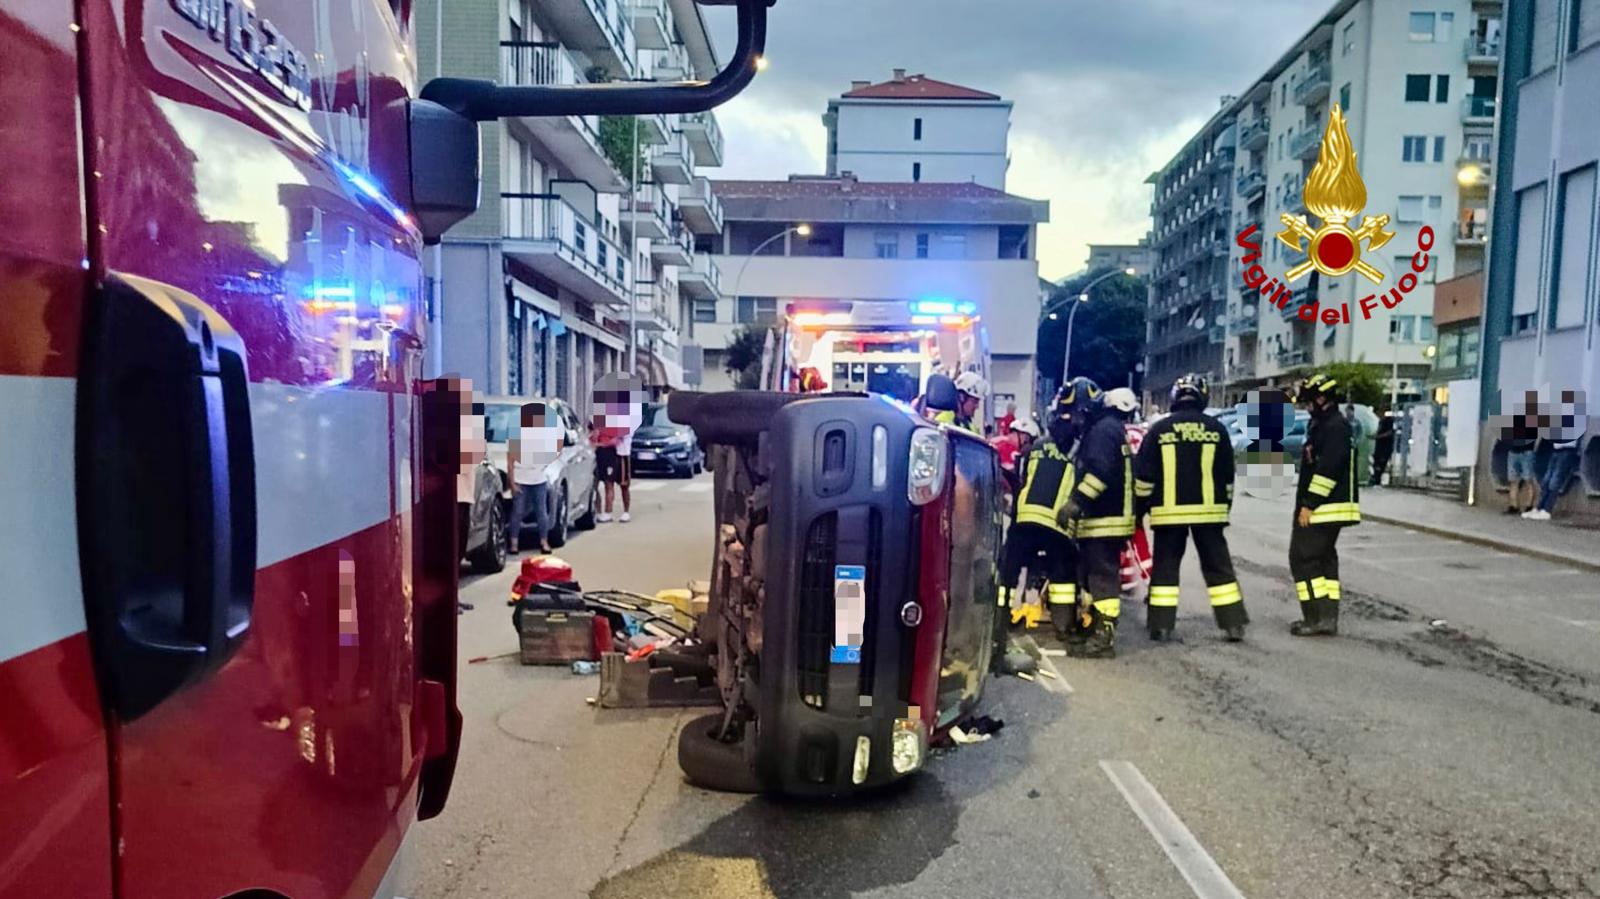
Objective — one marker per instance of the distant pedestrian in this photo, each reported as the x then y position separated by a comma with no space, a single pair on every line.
528,456
1382,448
1521,440
1007,420
1563,462
618,411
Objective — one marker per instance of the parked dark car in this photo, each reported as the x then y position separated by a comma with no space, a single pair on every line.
663,446
853,599
483,520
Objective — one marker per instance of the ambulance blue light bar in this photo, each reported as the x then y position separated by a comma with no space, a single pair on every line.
943,307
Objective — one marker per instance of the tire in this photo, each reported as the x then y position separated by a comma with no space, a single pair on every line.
558,525
490,558
686,471
710,763
736,416
585,522
699,465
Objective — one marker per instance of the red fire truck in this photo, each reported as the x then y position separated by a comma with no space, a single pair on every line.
227,493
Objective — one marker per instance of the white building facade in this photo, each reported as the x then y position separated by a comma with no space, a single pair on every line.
537,294
880,242
1417,82
916,128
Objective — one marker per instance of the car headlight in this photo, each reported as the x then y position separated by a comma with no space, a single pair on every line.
909,746
926,473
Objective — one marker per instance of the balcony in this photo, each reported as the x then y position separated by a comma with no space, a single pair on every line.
674,66
1251,184
1290,357
1240,371
574,140
1254,135
1482,53
1303,144
1312,87
650,28
702,210
550,235
704,136
1244,320
1477,110
1472,228
702,280
675,247
648,213
653,130
602,29
674,162
651,310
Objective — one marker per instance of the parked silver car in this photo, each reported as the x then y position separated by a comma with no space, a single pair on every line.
572,493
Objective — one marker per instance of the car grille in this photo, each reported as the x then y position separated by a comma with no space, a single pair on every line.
815,597
869,633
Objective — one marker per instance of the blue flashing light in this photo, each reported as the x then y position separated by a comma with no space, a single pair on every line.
944,307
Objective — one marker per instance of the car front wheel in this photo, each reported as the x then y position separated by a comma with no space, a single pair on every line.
558,524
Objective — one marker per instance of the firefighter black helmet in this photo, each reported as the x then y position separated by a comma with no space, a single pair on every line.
1317,385
1191,389
1077,398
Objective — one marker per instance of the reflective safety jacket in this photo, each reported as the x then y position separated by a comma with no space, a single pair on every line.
948,417
1184,470
1047,482
1328,483
1104,465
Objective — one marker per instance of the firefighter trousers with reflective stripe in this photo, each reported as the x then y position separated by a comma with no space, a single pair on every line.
1314,564
1100,575
1216,565
1043,550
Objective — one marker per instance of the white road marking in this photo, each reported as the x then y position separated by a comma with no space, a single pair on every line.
1204,876
646,486
1591,625
696,487
1056,684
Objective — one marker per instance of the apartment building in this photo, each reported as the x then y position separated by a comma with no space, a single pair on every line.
1189,243
1541,311
916,128
575,250
880,242
1417,81
1121,256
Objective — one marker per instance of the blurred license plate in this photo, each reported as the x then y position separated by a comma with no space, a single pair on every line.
646,456
849,613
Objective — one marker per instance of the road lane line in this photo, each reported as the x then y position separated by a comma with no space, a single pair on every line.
1056,684
647,486
1204,876
696,487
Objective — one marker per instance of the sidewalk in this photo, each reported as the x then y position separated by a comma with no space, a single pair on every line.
1562,540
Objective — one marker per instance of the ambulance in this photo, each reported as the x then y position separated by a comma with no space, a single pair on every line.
228,559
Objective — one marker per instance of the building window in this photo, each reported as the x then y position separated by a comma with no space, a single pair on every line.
1349,38
1425,333
1435,203
1441,89
886,244
1585,29
1417,88
1414,148
1469,347
1344,97
1283,95
705,311
1409,208
1422,24
952,246
1402,329
1546,23
1572,268
916,129
922,245
515,327
916,171
1477,147
1449,350
1438,148
757,310
1525,263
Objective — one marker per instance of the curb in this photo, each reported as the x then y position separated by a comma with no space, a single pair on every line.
1490,542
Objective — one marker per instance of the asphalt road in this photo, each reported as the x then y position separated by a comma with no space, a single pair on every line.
1447,745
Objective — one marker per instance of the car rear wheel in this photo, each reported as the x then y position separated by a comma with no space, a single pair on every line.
585,521
708,762
558,524
490,557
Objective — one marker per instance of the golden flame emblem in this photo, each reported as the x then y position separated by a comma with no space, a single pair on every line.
1336,193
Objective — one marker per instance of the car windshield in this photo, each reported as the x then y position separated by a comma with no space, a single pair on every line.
655,416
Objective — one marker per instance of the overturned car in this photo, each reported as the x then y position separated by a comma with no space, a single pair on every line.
853,605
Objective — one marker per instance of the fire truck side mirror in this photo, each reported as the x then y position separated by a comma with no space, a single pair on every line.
445,167
485,101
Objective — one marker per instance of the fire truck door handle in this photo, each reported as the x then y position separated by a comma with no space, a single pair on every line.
166,494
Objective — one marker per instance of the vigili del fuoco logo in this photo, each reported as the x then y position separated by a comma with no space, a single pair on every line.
1335,192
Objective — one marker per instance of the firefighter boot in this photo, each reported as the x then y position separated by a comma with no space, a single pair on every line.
1101,641
1320,620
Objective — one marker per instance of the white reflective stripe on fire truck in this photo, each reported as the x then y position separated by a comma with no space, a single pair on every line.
41,594
322,466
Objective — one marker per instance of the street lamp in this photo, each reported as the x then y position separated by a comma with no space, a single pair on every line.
1083,297
804,230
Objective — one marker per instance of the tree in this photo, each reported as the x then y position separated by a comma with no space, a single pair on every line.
1362,382
1108,335
745,350
617,142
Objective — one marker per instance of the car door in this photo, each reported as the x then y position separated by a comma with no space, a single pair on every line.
579,461
261,205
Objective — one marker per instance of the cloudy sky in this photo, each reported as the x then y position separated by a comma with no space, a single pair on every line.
1105,90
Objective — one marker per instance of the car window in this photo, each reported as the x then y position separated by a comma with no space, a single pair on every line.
500,421
656,417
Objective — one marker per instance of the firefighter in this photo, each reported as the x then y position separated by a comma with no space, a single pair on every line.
1184,478
1099,515
1326,501
970,390
1038,535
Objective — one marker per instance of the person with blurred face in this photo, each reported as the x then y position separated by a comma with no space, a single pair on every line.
528,457
618,412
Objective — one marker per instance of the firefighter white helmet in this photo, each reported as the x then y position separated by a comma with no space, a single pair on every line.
972,384
1026,426
1122,399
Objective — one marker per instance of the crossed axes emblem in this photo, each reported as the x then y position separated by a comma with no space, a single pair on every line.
1336,239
